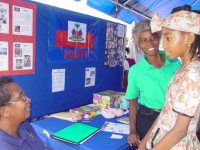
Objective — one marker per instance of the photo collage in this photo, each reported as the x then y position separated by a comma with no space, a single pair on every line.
114,51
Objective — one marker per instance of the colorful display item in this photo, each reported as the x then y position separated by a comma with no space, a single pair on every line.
108,99
87,111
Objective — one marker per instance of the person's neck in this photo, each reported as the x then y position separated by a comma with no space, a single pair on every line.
156,60
9,127
187,59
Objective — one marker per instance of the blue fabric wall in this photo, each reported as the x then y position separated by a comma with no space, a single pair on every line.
38,86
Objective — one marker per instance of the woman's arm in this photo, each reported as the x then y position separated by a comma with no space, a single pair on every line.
178,132
133,138
143,143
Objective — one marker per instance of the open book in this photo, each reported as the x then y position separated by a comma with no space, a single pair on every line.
74,133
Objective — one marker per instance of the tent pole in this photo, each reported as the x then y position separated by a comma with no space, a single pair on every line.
126,2
132,10
194,2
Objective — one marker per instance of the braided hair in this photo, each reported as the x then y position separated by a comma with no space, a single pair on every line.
195,47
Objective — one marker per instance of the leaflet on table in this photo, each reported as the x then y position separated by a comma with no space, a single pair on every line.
3,56
115,128
124,119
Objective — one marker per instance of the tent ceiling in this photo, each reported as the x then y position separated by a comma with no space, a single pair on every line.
136,10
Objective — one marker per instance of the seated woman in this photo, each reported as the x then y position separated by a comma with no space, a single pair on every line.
15,132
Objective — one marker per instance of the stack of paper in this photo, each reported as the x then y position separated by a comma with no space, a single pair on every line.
124,119
70,116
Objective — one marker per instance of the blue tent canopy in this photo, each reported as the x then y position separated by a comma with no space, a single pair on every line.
136,10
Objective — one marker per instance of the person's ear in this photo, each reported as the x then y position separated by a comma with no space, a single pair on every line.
190,39
4,111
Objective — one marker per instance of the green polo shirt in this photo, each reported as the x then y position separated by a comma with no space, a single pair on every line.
150,83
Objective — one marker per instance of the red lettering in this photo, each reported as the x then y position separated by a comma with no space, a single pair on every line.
75,54
67,54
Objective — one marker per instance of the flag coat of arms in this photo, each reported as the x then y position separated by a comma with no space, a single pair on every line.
75,37
77,32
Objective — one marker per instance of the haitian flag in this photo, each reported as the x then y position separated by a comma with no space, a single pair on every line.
75,37
70,39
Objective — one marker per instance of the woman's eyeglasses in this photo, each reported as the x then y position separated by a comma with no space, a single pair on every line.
21,98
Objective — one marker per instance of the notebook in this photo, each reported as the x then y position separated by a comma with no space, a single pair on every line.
76,133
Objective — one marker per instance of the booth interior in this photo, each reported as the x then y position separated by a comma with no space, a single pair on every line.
64,60
72,61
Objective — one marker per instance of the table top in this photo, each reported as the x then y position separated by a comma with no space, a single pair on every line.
99,141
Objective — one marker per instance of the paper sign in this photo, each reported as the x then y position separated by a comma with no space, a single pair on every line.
90,75
58,80
4,17
3,56
22,21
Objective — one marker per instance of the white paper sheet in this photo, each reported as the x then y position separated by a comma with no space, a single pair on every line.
3,56
22,56
58,80
90,75
4,17
22,21
115,136
116,128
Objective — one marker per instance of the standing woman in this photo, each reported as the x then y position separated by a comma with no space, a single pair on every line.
147,80
176,126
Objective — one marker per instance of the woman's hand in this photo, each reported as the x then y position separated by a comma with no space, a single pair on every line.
142,146
133,139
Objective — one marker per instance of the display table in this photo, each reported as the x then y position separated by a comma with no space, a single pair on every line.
100,141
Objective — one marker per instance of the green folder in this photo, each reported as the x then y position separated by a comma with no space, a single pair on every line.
76,133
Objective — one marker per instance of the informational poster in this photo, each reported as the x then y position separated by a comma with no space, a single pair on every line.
4,17
22,21
114,51
17,37
22,56
90,75
58,80
3,56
